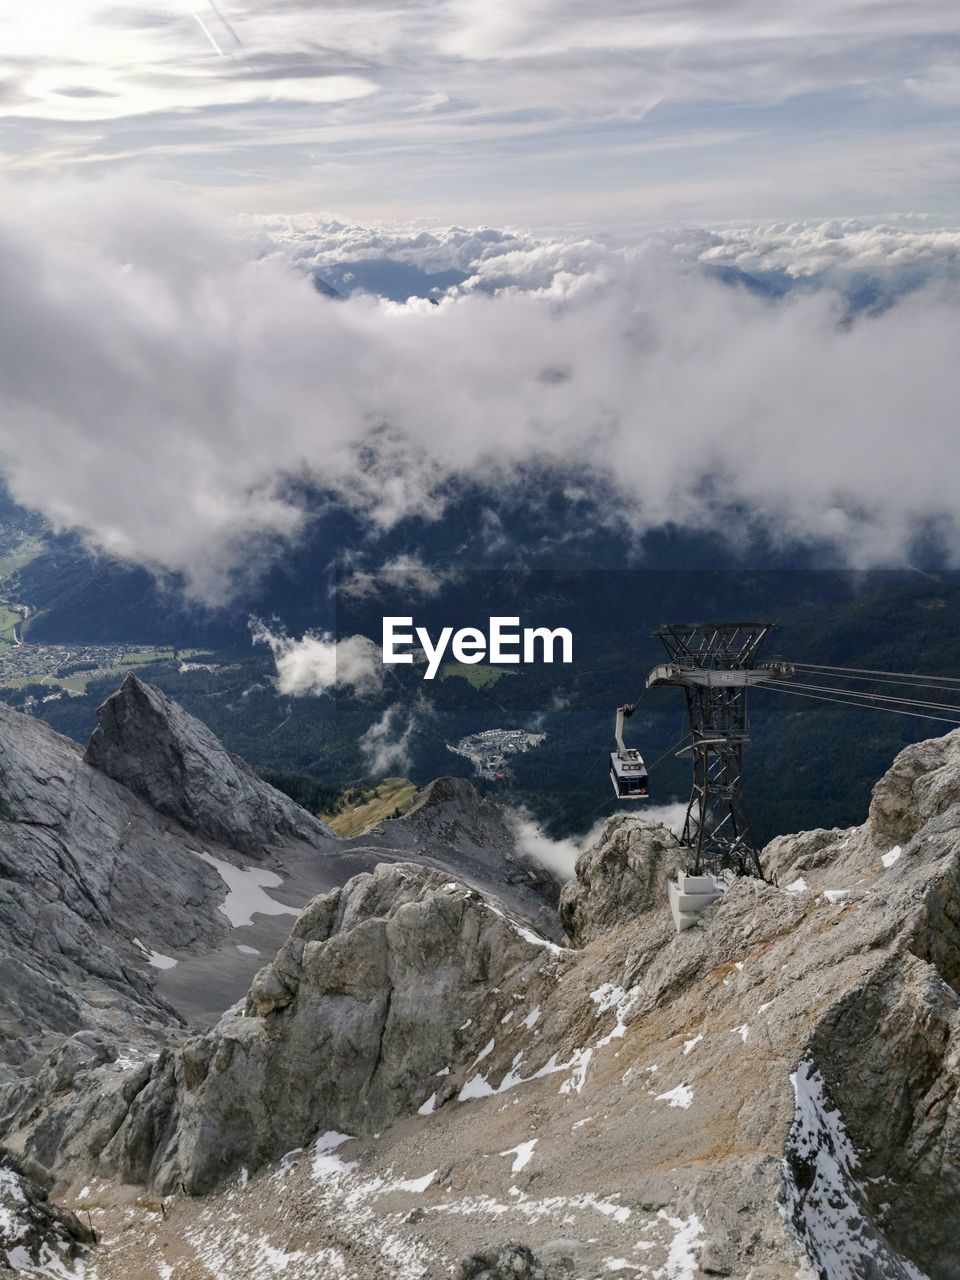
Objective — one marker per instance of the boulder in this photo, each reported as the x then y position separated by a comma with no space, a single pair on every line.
922,783
505,1262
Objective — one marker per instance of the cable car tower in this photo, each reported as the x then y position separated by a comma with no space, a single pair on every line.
715,663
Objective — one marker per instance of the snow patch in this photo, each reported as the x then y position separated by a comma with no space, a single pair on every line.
888,859
523,1154
823,1201
690,1045
798,886
155,958
484,1052
681,1096
326,1162
682,1258
835,895
245,891
529,936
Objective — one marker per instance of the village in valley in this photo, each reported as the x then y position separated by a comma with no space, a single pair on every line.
490,750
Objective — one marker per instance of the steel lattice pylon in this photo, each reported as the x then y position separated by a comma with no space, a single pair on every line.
715,663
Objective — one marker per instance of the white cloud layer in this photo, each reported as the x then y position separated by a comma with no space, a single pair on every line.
317,664
160,389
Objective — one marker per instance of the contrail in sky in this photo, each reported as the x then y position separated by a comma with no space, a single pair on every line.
229,26
206,31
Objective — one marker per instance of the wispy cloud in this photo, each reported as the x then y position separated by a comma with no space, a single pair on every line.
560,856
386,746
645,109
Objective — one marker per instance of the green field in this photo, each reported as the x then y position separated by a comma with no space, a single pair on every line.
139,658
8,621
481,675
15,560
376,804
78,681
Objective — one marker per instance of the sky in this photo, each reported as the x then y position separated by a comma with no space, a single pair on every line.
523,112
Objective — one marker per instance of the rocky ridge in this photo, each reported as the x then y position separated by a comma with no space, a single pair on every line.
450,824
420,1083
118,868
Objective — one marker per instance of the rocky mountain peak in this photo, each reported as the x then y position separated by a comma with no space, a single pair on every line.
151,745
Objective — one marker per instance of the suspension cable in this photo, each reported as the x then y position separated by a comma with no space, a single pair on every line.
818,697
870,697
898,676
911,682
669,751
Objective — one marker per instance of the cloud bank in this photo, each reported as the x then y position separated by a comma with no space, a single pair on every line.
169,395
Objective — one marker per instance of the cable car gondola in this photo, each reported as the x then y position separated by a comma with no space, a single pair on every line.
628,773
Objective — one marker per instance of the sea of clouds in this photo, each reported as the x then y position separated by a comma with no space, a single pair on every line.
172,384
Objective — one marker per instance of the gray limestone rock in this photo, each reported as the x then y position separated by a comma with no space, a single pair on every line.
923,782
380,986
86,867
35,1235
162,753
619,878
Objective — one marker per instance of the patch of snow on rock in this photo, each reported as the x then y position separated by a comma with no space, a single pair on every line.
326,1161
156,959
835,895
682,1259
522,1153
245,891
823,1200
681,1096
485,1052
